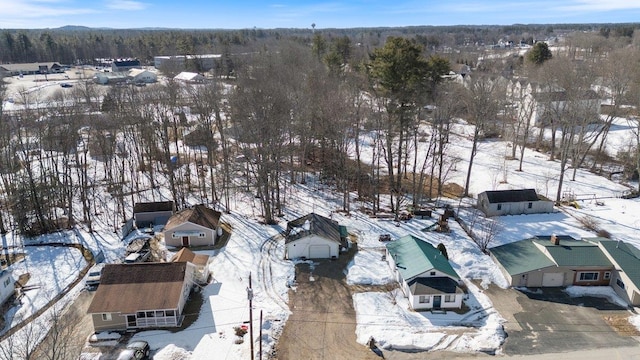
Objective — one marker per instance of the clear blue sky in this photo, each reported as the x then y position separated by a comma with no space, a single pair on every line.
239,14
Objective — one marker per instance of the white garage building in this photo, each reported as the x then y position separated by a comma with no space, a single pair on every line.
314,237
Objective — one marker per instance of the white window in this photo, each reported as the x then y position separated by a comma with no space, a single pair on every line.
588,276
201,235
449,298
106,317
499,206
530,205
424,299
620,283
433,273
607,275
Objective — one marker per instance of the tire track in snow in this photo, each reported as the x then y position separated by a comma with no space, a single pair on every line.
267,250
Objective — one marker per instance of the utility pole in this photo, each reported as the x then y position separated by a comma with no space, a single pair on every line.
260,347
250,297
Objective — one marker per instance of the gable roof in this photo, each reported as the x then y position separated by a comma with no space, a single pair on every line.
529,254
505,196
188,76
126,63
128,288
199,214
29,66
414,256
520,257
136,72
144,207
574,253
312,224
434,285
186,255
560,95
626,257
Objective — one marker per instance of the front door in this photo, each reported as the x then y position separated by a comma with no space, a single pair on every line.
185,241
436,301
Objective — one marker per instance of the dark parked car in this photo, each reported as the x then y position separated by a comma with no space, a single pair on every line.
66,85
135,351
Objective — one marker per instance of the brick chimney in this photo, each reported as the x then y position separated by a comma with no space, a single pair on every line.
555,240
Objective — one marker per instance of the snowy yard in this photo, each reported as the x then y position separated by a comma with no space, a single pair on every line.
383,316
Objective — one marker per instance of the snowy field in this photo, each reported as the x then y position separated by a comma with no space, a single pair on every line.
385,316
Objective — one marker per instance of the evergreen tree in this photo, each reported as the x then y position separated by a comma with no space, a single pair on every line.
539,53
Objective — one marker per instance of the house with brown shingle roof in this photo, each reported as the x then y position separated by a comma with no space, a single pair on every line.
199,262
142,295
196,226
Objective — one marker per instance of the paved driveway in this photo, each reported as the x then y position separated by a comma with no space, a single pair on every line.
549,321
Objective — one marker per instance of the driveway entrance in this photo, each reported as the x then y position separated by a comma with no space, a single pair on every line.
323,321
548,320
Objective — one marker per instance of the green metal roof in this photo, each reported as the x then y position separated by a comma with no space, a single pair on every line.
625,255
414,256
528,255
571,253
520,257
343,231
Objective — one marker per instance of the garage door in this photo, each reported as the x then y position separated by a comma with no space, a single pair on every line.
552,279
319,252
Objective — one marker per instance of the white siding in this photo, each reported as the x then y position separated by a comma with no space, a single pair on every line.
195,239
302,247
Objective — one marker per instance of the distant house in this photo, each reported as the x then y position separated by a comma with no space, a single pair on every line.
104,78
7,285
543,106
189,77
199,262
148,214
124,65
142,76
196,226
31,68
314,237
203,62
142,295
425,275
512,202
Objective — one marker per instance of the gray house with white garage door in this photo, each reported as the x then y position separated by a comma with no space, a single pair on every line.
553,261
512,202
314,237
556,261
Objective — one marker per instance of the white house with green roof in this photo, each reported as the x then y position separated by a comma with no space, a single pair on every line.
553,261
425,275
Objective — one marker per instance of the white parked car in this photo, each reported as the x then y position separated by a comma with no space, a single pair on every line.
137,257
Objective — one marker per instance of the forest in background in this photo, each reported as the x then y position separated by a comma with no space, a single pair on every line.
73,44
301,105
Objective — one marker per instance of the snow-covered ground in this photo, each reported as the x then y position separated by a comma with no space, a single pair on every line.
385,316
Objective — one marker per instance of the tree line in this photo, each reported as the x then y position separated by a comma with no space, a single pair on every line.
375,124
